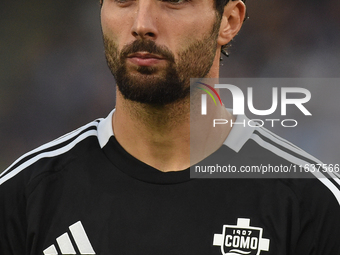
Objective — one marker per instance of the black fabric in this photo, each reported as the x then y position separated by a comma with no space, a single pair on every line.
128,207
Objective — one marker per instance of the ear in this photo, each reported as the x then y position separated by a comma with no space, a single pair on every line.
231,23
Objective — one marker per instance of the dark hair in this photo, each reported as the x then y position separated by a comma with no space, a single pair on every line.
219,6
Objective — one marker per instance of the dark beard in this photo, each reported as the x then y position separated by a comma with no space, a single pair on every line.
174,83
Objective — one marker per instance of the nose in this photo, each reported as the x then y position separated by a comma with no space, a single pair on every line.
144,26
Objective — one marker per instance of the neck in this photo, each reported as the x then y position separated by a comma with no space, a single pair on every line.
162,136
157,135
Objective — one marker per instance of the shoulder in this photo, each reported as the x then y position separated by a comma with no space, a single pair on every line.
310,172
259,147
52,155
56,154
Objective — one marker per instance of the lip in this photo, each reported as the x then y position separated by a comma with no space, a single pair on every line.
144,55
145,59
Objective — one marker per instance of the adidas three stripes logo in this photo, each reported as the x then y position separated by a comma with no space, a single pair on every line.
65,245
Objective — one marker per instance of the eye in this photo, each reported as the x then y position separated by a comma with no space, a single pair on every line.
123,2
176,2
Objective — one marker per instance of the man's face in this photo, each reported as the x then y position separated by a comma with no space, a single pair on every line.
154,47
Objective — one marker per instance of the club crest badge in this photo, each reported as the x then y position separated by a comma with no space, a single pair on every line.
241,239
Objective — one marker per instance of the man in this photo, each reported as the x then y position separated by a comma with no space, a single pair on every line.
121,185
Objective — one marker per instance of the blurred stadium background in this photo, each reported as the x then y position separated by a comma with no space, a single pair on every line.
53,74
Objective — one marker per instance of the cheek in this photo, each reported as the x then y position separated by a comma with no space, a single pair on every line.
107,25
192,30
115,27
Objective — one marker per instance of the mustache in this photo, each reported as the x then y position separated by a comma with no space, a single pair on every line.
147,46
